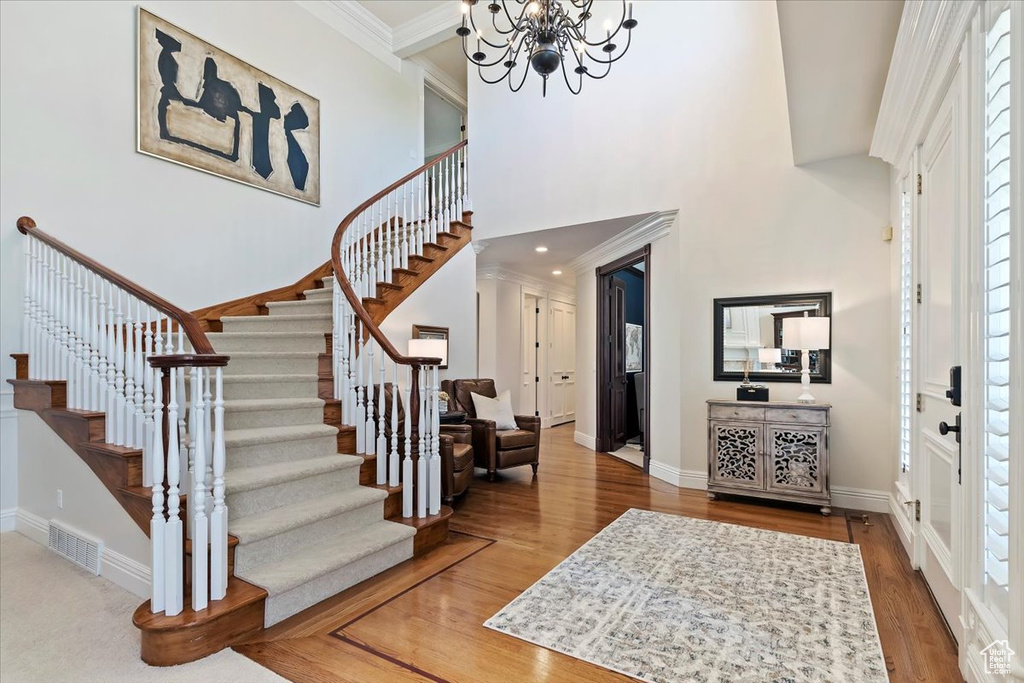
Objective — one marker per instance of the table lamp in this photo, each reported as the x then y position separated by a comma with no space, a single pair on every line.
804,335
429,348
769,357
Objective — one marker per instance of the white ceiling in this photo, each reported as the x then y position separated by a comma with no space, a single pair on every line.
517,252
449,58
397,12
836,56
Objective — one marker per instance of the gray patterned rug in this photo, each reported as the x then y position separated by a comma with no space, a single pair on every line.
667,598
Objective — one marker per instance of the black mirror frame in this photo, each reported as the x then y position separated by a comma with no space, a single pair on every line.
823,299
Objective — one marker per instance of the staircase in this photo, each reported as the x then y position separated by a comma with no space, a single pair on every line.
273,398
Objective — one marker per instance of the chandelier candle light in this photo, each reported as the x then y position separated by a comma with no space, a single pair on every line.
548,34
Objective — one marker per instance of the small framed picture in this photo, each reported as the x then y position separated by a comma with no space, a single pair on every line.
431,332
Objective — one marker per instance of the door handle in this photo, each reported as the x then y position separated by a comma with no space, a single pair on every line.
945,428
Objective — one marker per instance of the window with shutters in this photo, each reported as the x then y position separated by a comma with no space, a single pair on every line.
906,298
996,318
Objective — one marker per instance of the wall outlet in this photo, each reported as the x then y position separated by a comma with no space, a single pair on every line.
60,499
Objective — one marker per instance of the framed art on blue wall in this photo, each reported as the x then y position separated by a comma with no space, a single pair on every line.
201,107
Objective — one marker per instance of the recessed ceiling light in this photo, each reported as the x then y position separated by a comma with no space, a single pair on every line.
540,250
556,272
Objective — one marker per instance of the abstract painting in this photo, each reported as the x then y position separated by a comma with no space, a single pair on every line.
201,107
634,348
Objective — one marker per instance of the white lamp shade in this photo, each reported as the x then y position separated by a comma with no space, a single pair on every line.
769,355
429,348
806,334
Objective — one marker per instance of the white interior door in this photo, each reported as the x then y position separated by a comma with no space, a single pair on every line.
562,362
528,384
937,457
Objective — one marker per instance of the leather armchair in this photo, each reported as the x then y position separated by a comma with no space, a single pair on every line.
455,448
456,460
495,449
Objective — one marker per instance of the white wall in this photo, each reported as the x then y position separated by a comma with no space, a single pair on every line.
67,102
442,124
446,299
694,118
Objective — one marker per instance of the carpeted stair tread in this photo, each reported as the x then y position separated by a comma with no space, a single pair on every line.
263,435
319,294
260,379
274,355
251,478
329,556
257,404
287,517
292,308
266,318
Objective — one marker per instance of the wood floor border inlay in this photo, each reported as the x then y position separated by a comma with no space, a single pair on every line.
490,541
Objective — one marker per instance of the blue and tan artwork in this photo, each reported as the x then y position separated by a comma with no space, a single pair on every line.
202,107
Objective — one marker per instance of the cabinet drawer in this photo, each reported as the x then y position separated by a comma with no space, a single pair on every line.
728,412
798,416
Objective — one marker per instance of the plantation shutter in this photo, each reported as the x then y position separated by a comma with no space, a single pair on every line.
997,311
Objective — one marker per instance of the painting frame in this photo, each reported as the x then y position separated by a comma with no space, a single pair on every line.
433,332
234,170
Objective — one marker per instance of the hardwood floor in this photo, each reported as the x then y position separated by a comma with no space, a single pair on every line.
422,620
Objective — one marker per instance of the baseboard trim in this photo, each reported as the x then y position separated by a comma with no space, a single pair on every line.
687,479
8,519
585,440
117,568
902,526
870,500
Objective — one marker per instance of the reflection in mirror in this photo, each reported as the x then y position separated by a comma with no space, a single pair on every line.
748,335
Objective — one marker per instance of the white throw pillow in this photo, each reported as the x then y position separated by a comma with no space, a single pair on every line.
499,410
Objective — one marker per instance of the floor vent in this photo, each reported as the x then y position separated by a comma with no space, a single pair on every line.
82,550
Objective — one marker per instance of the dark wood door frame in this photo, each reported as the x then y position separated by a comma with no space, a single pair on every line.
604,360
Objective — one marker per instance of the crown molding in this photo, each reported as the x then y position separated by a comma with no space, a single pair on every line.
441,83
651,228
358,24
506,275
427,30
924,59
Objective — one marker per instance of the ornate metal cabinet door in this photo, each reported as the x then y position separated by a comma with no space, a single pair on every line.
796,459
737,454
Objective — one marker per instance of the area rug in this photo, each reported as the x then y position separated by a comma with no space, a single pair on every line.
666,598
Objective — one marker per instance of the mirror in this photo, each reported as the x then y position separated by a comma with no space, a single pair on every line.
749,330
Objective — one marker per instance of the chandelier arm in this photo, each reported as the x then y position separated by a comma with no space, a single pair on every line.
565,75
614,33
480,35
484,64
526,72
613,59
483,78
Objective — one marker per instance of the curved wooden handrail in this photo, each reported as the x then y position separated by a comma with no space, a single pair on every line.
346,286
193,330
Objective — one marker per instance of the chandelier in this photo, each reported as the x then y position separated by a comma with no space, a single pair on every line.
548,34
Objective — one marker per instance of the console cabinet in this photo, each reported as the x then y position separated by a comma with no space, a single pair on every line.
769,450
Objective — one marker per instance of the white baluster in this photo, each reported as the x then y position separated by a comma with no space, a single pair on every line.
157,526
421,459
184,442
129,373
353,394
64,308
407,223
370,442
200,528
435,454
81,350
111,353
397,238
147,399
382,443
207,427
389,228
173,541
191,426
360,413
140,375
119,401
219,517
459,180
95,334
335,339
379,268
50,298
421,214
393,462
407,461
27,324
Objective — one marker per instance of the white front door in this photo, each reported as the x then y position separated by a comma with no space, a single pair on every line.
936,457
562,362
529,350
